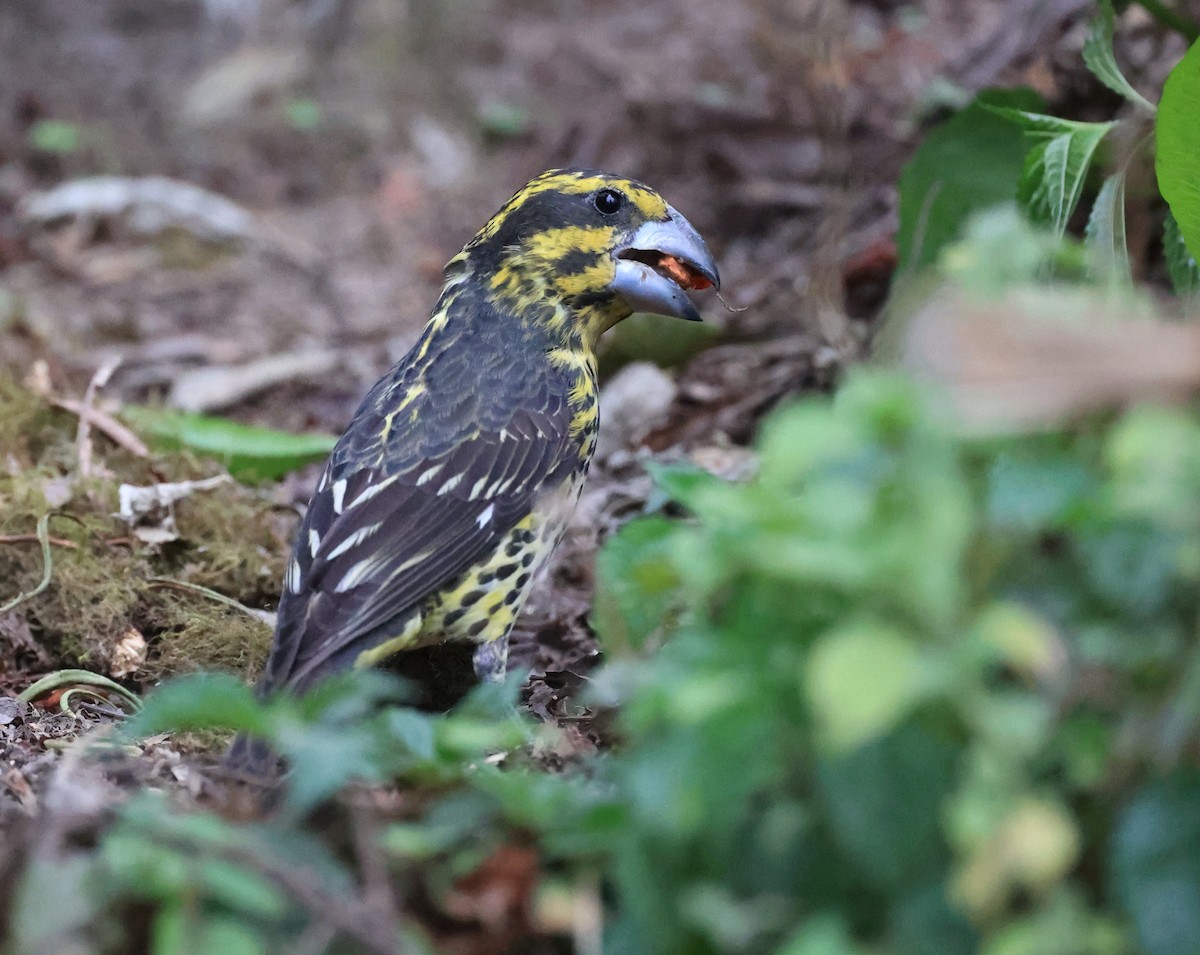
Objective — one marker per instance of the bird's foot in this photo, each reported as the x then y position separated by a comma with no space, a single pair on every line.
491,660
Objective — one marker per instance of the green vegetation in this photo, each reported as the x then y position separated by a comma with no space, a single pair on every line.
902,692
909,690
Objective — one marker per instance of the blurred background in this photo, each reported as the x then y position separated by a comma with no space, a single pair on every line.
361,142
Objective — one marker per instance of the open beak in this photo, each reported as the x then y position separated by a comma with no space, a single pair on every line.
660,263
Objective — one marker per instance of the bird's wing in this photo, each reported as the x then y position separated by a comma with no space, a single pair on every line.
375,542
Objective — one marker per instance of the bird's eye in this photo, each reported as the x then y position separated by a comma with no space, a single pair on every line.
608,201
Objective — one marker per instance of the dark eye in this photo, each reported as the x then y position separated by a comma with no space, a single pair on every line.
608,201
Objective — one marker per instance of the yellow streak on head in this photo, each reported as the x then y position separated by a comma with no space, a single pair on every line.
648,202
593,277
555,243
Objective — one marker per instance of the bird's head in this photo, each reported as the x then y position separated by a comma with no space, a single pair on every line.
598,246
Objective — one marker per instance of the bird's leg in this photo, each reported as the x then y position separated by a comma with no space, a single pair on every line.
491,660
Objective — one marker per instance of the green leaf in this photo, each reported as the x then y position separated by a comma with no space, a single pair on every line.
251,453
884,802
303,114
1155,861
861,680
504,120
1098,55
1106,229
970,163
1057,166
1181,264
180,927
825,934
925,922
1178,147
55,136
636,583
201,701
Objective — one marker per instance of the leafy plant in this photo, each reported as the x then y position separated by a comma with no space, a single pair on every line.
967,155
251,453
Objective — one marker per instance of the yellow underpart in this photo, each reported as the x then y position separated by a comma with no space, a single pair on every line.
407,639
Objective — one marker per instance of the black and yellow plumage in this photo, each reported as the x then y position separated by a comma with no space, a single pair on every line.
457,474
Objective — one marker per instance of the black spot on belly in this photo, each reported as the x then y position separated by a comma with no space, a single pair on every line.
454,616
505,571
521,581
472,597
528,559
477,627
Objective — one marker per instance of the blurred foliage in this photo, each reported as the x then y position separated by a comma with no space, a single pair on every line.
968,164
902,692
55,136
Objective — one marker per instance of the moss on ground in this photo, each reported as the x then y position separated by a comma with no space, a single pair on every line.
232,539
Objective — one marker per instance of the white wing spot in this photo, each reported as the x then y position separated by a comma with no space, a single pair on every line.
450,485
339,495
477,489
314,542
293,576
353,540
371,490
355,575
429,475
486,516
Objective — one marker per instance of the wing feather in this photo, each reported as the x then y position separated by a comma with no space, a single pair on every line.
394,541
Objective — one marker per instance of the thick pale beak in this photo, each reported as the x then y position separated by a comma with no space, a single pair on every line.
659,263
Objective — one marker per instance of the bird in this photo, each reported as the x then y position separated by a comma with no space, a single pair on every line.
458,473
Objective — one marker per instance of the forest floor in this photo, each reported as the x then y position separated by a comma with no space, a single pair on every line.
360,145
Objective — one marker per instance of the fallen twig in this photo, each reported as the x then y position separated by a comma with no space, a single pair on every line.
262,616
106,423
32,538
83,434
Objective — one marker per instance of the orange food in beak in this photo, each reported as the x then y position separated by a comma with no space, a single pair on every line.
680,274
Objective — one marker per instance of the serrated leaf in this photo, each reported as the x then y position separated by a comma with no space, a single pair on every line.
1057,166
1181,264
1178,146
970,163
1098,55
1106,228
251,453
